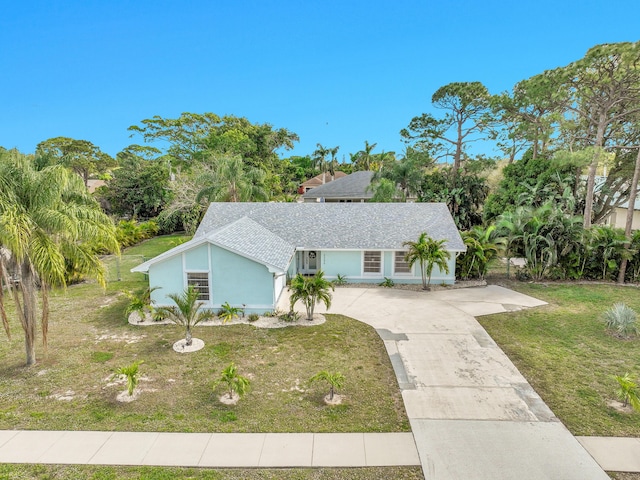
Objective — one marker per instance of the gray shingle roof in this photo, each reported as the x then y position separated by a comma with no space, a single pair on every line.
351,186
250,239
349,226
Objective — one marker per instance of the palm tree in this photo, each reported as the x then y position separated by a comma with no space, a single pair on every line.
334,379
333,163
235,382
364,157
230,181
319,159
482,247
187,311
311,290
131,373
48,223
428,253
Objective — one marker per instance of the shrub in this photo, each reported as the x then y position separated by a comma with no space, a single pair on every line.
131,373
253,317
340,280
228,313
130,232
234,382
335,380
387,282
290,316
628,391
622,320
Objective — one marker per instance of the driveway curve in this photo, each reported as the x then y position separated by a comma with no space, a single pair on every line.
473,415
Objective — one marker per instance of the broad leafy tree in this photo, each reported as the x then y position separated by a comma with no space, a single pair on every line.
193,137
48,222
604,94
81,156
138,188
464,193
467,117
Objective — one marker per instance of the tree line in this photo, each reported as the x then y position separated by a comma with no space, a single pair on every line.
570,155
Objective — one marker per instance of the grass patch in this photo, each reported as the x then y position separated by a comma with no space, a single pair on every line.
177,390
565,352
101,357
25,472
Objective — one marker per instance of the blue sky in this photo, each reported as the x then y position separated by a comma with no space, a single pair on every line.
334,72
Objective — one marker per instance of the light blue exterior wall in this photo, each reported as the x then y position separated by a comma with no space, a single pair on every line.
349,264
196,259
169,277
238,280
232,278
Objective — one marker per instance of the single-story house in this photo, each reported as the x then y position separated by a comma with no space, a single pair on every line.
319,180
243,253
348,189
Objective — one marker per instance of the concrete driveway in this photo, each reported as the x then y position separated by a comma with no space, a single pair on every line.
473,415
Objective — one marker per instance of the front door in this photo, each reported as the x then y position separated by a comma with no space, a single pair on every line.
310,262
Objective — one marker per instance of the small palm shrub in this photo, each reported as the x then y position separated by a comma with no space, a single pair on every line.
228,313
131,373
628,391
290,316
387,282
140,303
622,320
234,382
334,379
340,280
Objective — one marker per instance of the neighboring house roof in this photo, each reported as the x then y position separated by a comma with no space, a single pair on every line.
354,186
269,233
317,180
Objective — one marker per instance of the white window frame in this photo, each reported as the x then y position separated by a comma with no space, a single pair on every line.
409,273
202,274
380,261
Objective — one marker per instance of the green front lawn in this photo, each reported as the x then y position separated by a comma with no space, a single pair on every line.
70,388
568,357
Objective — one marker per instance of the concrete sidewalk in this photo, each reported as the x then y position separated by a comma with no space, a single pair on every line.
209,449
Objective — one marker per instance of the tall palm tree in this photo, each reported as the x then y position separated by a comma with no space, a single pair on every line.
333,163
187,311
311,290
319,159
48,222
428,253
230,181
365,158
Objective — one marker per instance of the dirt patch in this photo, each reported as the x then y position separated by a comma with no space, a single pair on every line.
229,400
619,406
336,400
181,345
122,337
